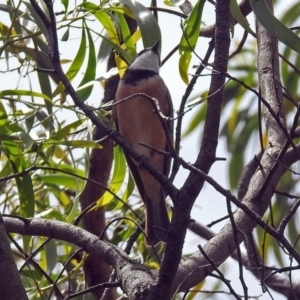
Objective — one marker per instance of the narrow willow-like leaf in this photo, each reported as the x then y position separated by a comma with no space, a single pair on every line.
237,14
126,35
23,93
73,143
51,255
71,182
127,193
3,115
189,39
90,72
146,22
274,26
104,19
27,197
63,132
118,177
76,64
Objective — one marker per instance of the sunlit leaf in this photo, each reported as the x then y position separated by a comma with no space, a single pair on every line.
189,39
174,3
104,19
184,62
6,170
72,143
126,35
195,290
119,173
3,115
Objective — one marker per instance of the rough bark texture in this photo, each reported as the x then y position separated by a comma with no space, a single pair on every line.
186,197
10,281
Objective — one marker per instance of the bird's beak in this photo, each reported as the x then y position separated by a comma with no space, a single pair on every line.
155,47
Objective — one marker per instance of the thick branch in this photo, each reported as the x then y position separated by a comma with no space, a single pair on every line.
262,185
10,281
133,276
185,198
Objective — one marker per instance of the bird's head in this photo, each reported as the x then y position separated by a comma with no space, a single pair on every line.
147,59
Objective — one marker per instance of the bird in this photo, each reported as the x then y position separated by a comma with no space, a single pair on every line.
137,122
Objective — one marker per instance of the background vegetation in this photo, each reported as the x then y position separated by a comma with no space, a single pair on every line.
59,172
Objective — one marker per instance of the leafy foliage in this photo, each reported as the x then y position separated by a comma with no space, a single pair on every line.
46,141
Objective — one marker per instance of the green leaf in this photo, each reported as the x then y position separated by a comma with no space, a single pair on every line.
65,36
274,26
63,132
117,178
51,255
184,62
76,64
127,193
90,72
74,211
146,22
73,143
189,39
103,17
27,141
236,167
3,115
45,120
65,3
196,120
30,121
6,170
68,181
27,197
23,93
12,146
130,46
118,48
237,14
18,13
174,3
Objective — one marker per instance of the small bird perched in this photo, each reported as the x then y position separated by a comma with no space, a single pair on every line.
137,122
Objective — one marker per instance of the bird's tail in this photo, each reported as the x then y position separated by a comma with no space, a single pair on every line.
157,222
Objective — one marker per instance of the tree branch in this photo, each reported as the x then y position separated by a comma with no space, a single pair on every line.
133,276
